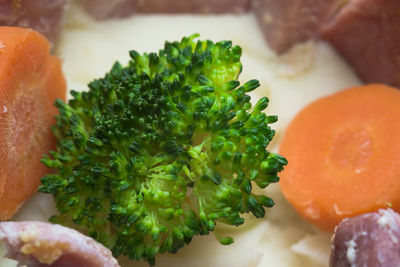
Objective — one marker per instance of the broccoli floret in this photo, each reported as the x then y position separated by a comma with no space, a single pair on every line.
161,150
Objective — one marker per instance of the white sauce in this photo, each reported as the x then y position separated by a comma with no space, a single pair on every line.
89,49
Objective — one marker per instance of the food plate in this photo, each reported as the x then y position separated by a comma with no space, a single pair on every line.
88,49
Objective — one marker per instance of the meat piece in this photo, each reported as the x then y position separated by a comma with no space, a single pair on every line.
102,9
367,34
286,22
371,239
194,6
45,16
38,244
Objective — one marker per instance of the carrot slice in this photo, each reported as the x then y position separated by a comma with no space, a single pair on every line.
30,81
344,155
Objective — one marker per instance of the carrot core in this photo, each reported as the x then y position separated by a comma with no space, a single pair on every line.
351,150
23,115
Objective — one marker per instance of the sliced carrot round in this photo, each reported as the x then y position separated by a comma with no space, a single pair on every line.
344,155
30,81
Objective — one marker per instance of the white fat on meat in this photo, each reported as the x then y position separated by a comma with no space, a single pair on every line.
37,244
369,239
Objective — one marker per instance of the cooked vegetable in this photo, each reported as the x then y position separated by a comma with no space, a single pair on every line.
30,81
344,151
163,149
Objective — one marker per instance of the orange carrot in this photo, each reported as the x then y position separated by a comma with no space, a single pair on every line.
344,155
30,81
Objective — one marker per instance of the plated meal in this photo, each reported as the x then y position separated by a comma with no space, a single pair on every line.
170,133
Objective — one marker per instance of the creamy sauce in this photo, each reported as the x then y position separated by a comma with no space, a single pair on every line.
89,49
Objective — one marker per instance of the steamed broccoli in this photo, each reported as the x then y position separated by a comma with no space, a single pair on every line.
162,149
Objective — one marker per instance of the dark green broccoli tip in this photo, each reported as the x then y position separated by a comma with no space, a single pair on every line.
161,150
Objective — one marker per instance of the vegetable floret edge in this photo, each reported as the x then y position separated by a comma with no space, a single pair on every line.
161,150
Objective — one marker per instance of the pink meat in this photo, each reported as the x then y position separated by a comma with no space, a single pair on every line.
286,22
194,6
367,34
38,244
45,16
371,239
102,9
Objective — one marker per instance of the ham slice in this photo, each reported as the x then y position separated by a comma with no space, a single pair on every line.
45,16
102,9
371,239
38,244
287,22
367,34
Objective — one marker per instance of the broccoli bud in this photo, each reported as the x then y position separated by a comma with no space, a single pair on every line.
161,150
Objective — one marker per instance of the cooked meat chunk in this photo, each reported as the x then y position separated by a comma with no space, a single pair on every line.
367,34
37,244
102,9
371,239
286,22
194,6
45,16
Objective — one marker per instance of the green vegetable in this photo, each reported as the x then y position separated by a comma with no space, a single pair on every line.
162,149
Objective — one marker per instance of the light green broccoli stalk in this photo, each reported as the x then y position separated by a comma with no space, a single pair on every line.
161,150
